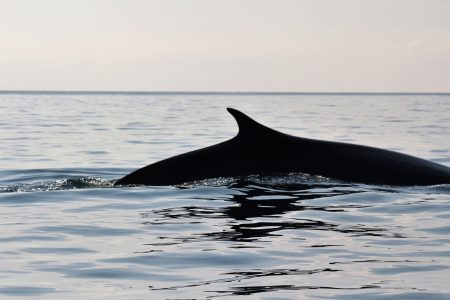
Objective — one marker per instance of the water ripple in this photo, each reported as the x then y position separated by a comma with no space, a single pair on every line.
68,233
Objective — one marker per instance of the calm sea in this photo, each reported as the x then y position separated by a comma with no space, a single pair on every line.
67,233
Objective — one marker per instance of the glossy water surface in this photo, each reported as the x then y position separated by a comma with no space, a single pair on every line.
66,232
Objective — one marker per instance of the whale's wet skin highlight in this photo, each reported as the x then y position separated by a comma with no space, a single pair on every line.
67,232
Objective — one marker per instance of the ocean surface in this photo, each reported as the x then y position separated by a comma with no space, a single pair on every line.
67,233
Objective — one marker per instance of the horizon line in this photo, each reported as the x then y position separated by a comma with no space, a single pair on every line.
124,92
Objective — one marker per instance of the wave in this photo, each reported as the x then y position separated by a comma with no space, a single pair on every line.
68,179
63,184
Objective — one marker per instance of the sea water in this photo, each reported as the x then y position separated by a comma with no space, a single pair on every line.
67,233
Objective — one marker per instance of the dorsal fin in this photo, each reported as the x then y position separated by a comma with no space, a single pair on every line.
248,127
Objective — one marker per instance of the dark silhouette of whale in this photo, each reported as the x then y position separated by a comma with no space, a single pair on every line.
257,149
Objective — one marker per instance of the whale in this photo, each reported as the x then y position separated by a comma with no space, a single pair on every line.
260,150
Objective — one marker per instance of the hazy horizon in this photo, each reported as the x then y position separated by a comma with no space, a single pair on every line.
174,92
298,46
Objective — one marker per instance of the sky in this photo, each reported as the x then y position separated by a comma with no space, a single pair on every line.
225,45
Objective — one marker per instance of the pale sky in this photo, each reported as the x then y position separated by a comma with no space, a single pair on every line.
226,45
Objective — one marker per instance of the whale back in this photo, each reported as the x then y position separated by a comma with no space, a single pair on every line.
258,149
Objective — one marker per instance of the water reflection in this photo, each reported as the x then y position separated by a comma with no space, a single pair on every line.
243,236
317,219
257,211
